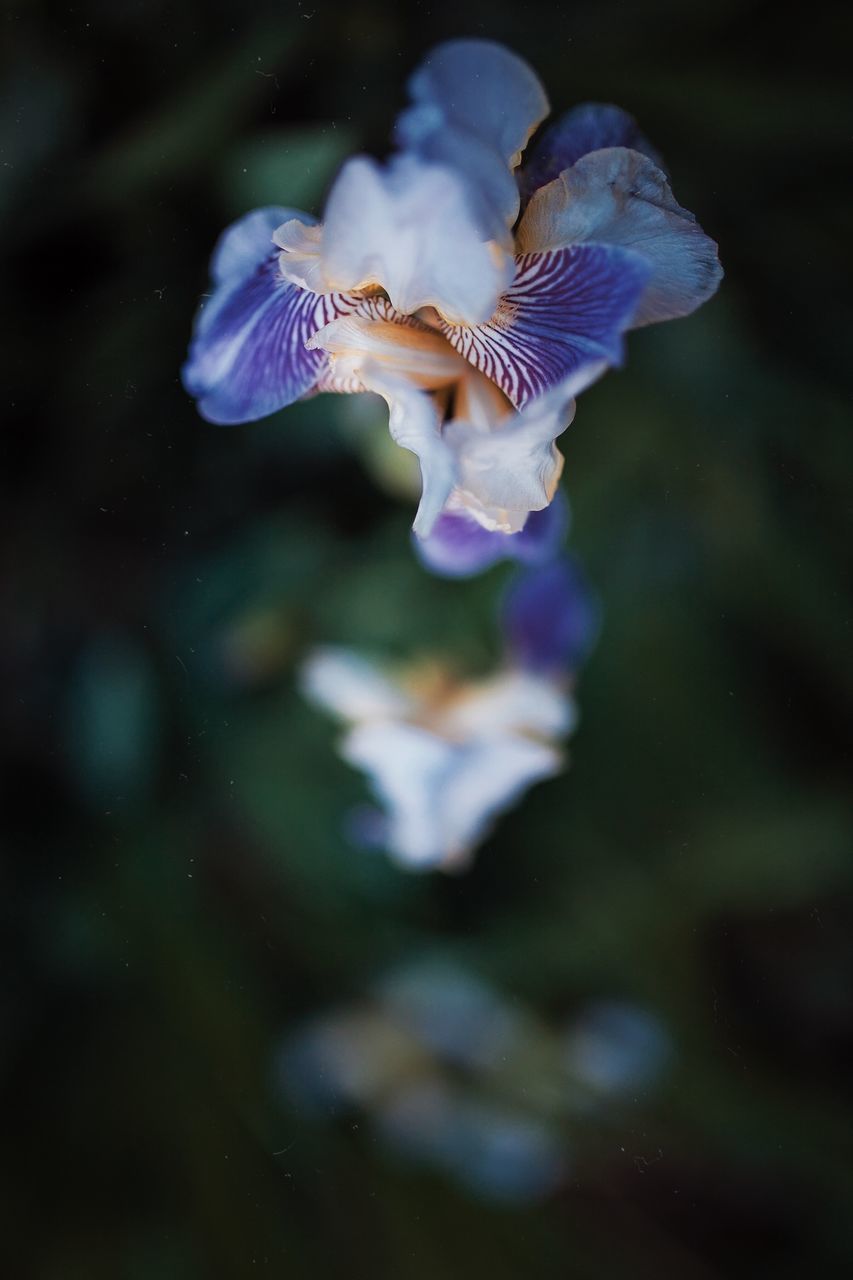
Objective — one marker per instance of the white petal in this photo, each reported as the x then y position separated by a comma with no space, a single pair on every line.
409,230
515,702
351,687
414,420
301,261
488,778
397,362
508,469
618,196
409,768
440,798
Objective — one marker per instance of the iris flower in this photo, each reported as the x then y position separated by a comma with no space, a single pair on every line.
444,755
475,295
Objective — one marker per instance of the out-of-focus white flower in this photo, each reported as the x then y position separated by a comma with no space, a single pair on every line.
444,757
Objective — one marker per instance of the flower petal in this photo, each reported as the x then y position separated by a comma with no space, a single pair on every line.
351,687
620,197
408,229
479,87
512,468
459,546
440,797
566,309
516,702
550,619
247,357
587,127
475,105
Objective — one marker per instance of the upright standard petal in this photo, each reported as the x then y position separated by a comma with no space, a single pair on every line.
590,126
247,357
566,310
481,87
459,546
549,619
475,104
407,229
619,197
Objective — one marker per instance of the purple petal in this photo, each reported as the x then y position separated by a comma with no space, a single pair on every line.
585,128
566,309
247,357
459,547
550,619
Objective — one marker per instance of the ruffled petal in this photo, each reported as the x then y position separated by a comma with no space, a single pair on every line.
397,358
620,197
566,309
481,87
550,619
247,357
407,229
475,105
508,469
587,127
459,546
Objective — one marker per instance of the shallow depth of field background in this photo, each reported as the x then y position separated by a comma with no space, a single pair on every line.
177,891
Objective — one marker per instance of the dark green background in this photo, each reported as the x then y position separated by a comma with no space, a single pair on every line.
175,893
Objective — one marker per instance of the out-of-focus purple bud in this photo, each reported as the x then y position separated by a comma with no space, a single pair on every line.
550,619
616,1047
459,547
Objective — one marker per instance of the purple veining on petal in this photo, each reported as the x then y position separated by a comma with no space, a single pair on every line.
549,618
247,357
459,547
567,308
587,127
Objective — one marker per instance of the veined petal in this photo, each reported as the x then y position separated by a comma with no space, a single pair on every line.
550,619
590,126
407,229
566,309
352,688
247,357
459,546
475,105
401,344
620,197
506,470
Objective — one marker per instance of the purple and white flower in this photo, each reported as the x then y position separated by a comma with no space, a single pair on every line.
476,297
444,755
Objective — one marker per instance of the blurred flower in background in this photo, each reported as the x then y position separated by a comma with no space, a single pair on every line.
456,1077
423,285
446,755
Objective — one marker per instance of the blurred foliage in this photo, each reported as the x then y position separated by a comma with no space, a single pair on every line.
178,890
